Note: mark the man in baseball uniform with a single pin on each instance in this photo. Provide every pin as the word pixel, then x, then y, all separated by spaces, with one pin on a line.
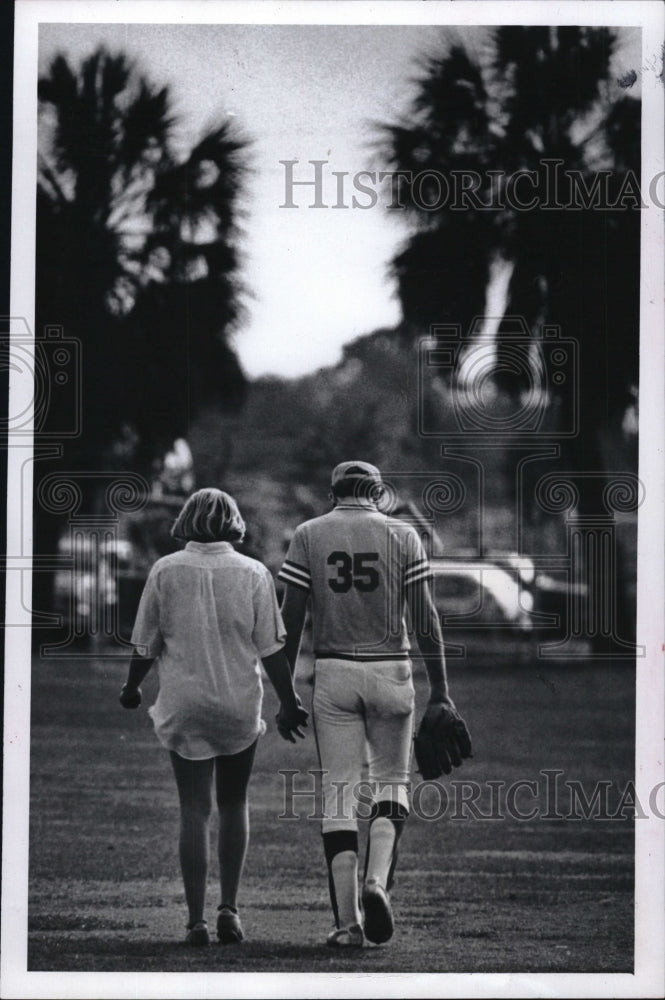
pixel 362 570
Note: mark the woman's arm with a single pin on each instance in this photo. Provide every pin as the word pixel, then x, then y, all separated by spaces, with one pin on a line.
pixel 130 695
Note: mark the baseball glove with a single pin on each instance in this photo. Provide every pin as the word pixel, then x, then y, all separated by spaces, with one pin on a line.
pixel 442 741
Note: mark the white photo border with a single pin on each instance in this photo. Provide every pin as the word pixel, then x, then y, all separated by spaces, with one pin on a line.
pixel 647 980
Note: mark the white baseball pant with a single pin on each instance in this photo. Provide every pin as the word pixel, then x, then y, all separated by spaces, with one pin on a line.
pixel 362 711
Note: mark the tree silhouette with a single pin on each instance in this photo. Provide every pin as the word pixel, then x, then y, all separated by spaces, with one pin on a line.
pixel 137 257
pixel 538 99
pixel 541 96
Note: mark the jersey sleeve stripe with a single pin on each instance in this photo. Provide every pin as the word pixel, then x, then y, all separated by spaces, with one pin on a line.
pixel 417 574
pixel 294 582
pixel 417 568
pixel 296 575
pixel 296 569
pixel 416 565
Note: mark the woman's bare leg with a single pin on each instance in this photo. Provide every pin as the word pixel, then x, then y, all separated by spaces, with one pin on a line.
pixel 194 780
pixel 232 781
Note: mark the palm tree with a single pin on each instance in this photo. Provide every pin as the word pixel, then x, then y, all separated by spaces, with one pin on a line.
pixel 137 257
pixel 536 96
pixel 539 95
pixel 132 239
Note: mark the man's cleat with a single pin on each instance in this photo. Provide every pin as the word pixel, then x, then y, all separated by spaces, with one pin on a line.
pixel 346 937
pixel 378 922
pixel 197 935
pixel 229 928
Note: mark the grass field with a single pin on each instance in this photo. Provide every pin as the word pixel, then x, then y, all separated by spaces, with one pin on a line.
pixel 472 895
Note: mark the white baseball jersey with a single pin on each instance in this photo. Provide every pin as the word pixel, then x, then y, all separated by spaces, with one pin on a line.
pixel 356 563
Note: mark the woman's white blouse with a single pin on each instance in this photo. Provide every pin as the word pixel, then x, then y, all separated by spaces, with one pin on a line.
pixel 209 614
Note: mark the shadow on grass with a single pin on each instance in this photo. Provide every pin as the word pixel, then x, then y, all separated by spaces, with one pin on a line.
pixel 90 953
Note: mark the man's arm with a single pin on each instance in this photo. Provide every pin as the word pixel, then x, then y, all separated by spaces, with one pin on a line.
pixel 442 739
pixel 294 609
pixel 291 715
pixel 430 640
pixel 279 675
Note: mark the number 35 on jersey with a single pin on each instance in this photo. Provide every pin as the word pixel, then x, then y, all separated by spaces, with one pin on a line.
pixel 355 571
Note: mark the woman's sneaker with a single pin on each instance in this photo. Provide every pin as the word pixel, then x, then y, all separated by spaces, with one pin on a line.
pixel 197 934
pixel 346 937
pixel 229 928
pixel 378 921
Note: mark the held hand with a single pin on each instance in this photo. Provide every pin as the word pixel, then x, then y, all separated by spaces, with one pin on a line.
pixel 289 722
pixel 130 699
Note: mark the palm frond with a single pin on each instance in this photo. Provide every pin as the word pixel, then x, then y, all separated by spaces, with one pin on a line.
pixel 137 247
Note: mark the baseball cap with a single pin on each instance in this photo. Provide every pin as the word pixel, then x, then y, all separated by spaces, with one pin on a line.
pixel 355 470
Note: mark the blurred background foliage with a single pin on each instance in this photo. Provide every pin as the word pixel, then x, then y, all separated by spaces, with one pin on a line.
pixel 139 256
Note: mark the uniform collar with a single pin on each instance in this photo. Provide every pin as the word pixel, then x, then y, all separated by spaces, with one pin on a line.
pixel 356 503
pixel 208 547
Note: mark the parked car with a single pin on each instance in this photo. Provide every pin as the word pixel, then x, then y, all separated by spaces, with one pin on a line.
pixel 475 593
pixel 495 590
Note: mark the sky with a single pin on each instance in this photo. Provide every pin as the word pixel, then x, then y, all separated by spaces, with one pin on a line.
pixel 317 276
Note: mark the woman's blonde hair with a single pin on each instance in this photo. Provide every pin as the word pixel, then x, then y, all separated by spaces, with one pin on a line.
pixel 209 515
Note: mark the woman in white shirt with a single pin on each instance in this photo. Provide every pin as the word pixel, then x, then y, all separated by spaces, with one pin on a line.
pixel 209 617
